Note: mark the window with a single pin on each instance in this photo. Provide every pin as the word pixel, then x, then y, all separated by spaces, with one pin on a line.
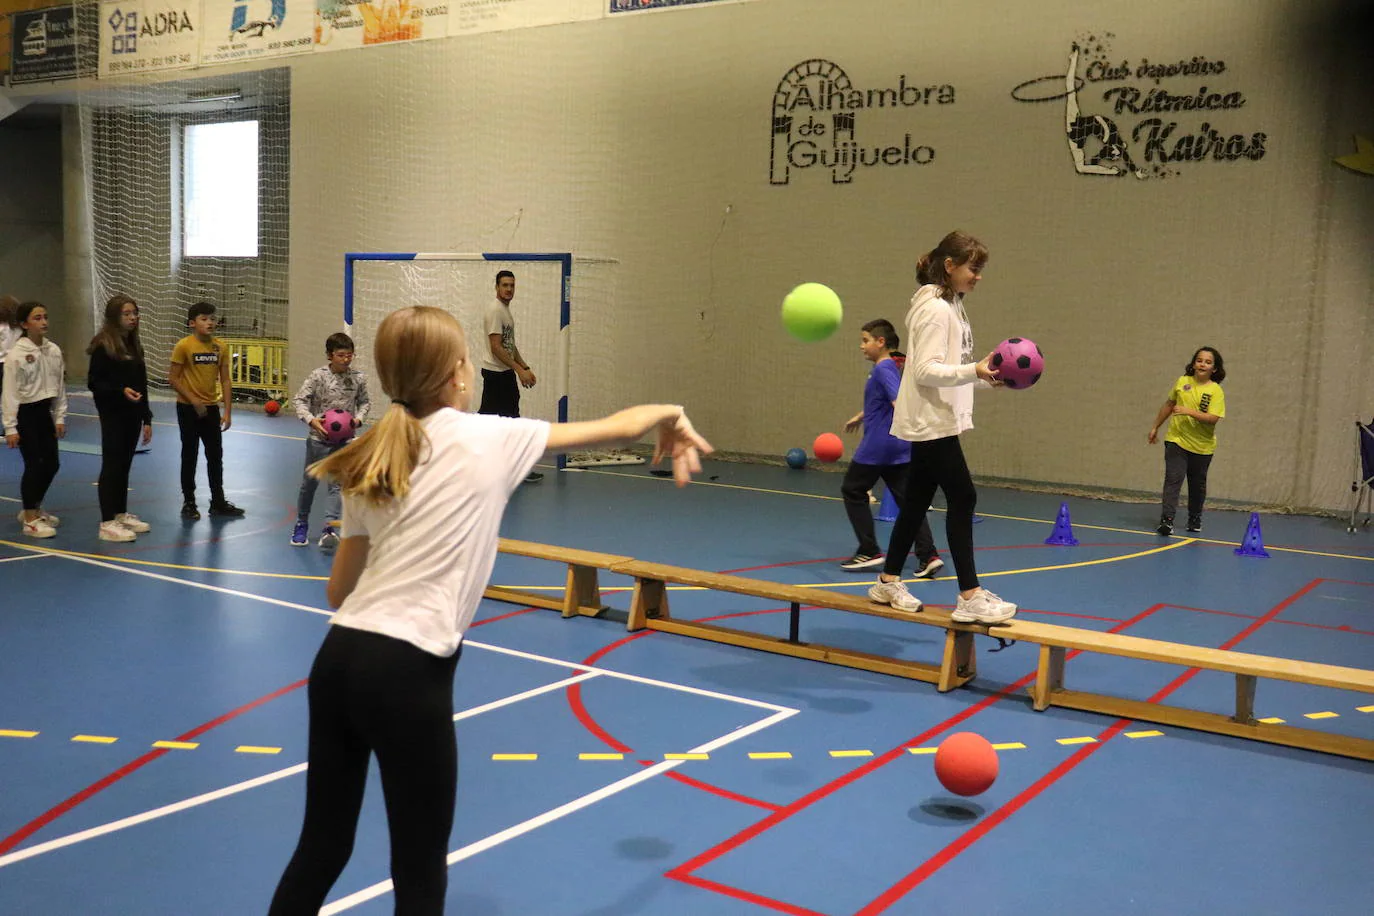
pixel 220 190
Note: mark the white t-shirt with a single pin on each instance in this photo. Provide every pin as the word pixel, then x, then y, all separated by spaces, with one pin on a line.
pixel 431 554
pixel 497 320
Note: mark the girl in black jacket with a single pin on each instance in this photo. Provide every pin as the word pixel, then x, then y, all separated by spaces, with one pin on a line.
pixel 118 379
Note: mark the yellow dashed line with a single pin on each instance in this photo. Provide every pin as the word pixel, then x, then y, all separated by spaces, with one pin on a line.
pixel 1009 746
pixel 1365 708
pixel 177 745
pixel 770 755
pixel 1146 734
pixel 686 756
pixel 1320 715
pixel 921 750
pixel 1272 720
pixel 1083 740
pixel 94 739
pixel 514 756
pixel 851 753
pixel 251 749
pixel 600 756
pixel 15 733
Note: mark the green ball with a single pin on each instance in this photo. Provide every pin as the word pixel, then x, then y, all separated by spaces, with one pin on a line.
pixel 812 312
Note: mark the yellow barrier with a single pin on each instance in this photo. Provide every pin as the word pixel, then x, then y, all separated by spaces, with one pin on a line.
pixel 257 364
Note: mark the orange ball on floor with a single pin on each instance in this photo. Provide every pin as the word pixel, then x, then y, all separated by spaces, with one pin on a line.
pixel 966 764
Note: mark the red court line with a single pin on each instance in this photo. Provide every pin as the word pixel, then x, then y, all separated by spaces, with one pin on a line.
pixel 506 616
pixel 683 871
pixel 723 793
pixel 985 826
pixel 100 785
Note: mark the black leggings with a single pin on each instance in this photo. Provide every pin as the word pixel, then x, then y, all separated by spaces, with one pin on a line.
pixel 937 463
pixel 38 447
pixel 374 694
pixel 119 432
pixel 194 431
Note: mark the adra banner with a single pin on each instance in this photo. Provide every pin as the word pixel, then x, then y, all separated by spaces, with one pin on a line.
pixel 137 36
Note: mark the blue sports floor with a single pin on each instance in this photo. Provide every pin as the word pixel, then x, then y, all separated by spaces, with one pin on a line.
pixel 153 721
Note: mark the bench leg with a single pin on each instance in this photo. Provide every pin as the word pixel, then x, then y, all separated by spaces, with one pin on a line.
pixel 959 665
pixel 1049 676
pixel 1245 699
pixel 650 599
pixel 581 591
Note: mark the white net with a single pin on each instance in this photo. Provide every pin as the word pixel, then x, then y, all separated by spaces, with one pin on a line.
pixel 134 142
pixel 464 286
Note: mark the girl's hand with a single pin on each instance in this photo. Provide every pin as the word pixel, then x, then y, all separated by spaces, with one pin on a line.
pixel 12 440
pixel 1154 434
pixel 854 423
pixel 132 395
pixel 147 433
pixel 987 373
pixel 62 430
pixel 678 440
pixel 318 426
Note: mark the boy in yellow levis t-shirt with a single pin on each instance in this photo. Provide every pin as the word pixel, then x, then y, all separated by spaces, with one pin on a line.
pixel 200 375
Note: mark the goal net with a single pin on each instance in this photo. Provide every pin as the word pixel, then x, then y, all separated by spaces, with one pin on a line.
pixel 561 308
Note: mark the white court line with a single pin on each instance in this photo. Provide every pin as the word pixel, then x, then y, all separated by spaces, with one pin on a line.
pixel 27 556
pixel 587 673
pixel 548 817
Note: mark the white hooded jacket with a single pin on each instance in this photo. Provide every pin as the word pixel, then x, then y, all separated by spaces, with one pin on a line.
pixel 935 399
pixel 33 373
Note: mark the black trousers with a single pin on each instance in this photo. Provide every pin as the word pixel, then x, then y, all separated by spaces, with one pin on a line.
pixel 197 431
pixel 372 694
pixel 858 480
pixel 38 448
pixel 500 393
pixel 938 463
pixel 1178 464
pixel 119 431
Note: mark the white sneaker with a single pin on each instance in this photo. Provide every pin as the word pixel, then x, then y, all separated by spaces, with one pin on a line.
pixel 983 607
pixel 114 531
pixel 895 594
pixel 37 528
pixel 52 521
pixel 133 523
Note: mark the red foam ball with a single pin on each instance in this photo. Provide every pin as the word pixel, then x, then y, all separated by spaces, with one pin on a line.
pixel 827 447
pixel 271 408
pixel 966 764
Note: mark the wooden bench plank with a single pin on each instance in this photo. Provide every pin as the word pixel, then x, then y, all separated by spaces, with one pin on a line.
pixel 581 589
pixel 560 554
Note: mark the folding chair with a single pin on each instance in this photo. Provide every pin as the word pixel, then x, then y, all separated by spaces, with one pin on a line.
pixel 1363 483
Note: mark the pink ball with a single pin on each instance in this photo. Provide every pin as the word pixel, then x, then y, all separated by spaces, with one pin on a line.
pixel 1018 362
pixel 338 425
pixel 827 447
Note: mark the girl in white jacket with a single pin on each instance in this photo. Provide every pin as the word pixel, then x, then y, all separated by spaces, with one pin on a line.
pixel 934 406
pixel 34 409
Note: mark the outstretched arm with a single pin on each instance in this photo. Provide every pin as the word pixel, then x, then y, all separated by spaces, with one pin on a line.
pixel 677 439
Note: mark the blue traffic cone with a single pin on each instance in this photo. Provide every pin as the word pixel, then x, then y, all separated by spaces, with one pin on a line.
pixel 1063 530
pixel 887 512
pixel 1253 545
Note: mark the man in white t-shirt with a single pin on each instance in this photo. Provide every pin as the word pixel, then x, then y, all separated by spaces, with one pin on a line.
pixel 502 364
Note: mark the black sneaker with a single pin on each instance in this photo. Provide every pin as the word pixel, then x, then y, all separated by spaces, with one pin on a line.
pixel 863 561
pixel 1166 526
pixel 189 511
pixel 222 508
pixel 533 477
pixel 1195 523
pixel 929 569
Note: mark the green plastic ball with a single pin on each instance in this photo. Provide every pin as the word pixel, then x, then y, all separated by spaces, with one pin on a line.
pixel 812 312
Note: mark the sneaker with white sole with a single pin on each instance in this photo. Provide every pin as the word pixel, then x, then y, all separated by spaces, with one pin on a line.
pixel 329 538
pixel 52 521
pixel 114 531
pixel 300 535
pixel 862 561
pixel 37 528
pixel 894 594
pixel 982 607
pixel 930 569
pixel 133 523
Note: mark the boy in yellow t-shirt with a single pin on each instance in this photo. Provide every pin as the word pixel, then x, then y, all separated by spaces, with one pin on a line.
pixel 1196 405
pixel 200 375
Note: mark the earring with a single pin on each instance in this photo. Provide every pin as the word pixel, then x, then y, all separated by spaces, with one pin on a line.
pixel 462 386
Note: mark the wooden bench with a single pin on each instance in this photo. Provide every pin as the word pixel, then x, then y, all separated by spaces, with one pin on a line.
pixel 649 608
pixel 581 589
pixel 1056 641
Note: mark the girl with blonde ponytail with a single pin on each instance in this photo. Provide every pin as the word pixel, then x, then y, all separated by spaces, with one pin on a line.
pixel 423 491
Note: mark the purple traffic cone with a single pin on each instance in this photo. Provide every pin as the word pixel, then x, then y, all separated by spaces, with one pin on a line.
pixel 1253 545
pixel 887 511
pixel 1063 530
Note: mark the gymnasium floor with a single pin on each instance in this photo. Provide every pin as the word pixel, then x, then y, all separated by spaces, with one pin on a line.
pixel 200 634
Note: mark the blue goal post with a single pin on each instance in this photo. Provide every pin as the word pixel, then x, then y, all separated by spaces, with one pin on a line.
pixel 563 259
